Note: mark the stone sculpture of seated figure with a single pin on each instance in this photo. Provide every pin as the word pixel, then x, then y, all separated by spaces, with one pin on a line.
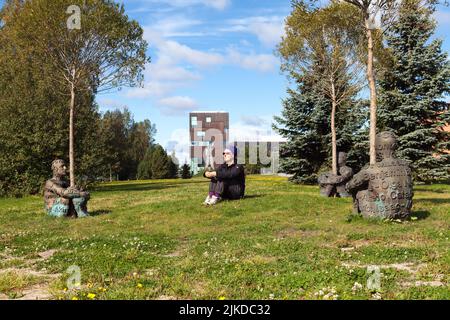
pixel 62 200
pixel 334 185
pixel 384 189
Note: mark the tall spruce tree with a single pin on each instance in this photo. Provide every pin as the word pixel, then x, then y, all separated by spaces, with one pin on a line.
pixel 305 122
pixel 412 91
pixel 173 166
pixel 185 171
pixel 157 164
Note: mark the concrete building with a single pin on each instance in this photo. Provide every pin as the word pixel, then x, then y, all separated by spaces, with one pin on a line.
pixel 209 134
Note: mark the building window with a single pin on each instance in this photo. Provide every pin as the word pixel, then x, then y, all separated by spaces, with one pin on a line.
pixel 200 133
pixel 194 121
pixel 208 119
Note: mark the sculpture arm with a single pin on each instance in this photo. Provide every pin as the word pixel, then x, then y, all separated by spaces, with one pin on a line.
pixel 359 180
pixel 346 174
pixel 323 178
pixel 68 193
pixel 328 178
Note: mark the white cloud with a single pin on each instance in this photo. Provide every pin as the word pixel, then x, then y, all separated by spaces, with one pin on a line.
pixel 163 77
pixel 258 62
pixel 268 33
pixel 174 52
pixel 152 89
pixel 165 70
pixel 177 105
pixel 268 30
pixel 180 52
pixel 176 26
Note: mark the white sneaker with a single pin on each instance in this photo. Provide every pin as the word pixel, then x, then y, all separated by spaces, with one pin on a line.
pixel 207 200
pixel 214 200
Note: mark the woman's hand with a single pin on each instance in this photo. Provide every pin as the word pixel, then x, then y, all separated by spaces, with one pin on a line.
pixel 211 174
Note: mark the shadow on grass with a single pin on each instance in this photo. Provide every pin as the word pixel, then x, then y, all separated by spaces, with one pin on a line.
pixel 139 186
pixel 420 215
pixel 433 200
pixel 422 189
pixel 99 212
pixel 134 187
pixel 251 196
pixel 433 188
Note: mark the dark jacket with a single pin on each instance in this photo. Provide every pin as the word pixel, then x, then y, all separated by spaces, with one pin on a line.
pixel 233 179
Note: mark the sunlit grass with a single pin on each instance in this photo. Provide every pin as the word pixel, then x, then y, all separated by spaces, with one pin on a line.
pixel 154 240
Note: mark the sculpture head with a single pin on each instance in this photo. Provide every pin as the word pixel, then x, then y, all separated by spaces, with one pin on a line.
pixel 386 144
pixel 59 168
pixel 342 159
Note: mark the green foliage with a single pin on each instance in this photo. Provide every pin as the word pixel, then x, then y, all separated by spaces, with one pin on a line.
pixel 125 143
pixel 412 91
pixel 322 48
pixel 157 165
pixel 34 100
pixel 305 122
pixel 34 126
pixel 173 166
pixel 185 171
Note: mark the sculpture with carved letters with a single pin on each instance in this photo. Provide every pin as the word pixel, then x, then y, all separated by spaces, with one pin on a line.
pixel 383 190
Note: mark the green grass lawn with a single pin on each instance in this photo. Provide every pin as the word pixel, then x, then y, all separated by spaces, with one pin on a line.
pixel 154 240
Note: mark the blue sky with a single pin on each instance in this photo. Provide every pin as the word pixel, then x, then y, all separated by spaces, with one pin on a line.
pixel 213 55
pixel 207 55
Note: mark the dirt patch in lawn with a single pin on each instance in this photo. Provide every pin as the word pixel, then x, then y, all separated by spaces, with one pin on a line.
pixel 22 281
pixel 412 268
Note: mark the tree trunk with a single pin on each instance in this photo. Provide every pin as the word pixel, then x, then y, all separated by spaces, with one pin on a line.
pixel 71 136
pixel 333 129
pixel 373 94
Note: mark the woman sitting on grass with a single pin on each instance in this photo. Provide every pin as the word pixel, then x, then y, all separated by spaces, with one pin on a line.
pixel 228 181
